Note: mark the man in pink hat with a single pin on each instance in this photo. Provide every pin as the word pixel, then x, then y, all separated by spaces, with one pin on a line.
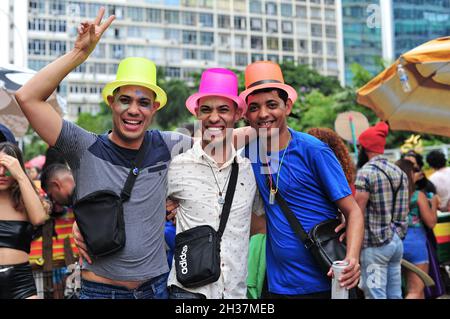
pixel 306 173
pixel 382 193
pixel 199 179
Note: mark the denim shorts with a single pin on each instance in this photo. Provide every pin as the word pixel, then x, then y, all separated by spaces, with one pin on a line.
pixel 155 288
pixel 415 246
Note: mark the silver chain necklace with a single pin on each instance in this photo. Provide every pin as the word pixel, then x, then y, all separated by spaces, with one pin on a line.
pixel 221 199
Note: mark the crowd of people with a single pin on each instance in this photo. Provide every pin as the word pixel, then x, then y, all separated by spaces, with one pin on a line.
pixel 175 182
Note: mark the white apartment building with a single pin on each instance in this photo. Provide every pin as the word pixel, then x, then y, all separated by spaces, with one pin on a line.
pixel 182 37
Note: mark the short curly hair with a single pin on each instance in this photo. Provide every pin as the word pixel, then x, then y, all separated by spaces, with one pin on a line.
pixel 330 137
pixel 436 159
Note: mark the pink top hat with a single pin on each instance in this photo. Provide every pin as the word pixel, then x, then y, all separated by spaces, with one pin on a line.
pixel 217 82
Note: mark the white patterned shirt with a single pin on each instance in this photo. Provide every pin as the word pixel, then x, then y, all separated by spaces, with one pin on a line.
pixel 191 182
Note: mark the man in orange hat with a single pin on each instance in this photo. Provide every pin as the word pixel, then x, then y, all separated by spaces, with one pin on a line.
pixel 105 162
pixel 306 173
pixel 382 194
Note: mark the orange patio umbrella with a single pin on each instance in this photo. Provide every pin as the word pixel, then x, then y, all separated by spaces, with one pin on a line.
pixel 426 107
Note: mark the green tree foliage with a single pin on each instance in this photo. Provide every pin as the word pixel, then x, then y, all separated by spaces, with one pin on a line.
pixel 175 112
pixel 33 145
pixel 99 123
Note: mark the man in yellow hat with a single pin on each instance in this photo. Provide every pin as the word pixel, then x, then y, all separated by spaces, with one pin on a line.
pixel 306 173
pixel 104 162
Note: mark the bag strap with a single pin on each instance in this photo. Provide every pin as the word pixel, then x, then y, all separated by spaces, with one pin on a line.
pixel 134 171
pixel 293 221
pixel 394 191
pixel 228 198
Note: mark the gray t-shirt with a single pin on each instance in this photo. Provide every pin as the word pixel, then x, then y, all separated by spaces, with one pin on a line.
pixel 99 164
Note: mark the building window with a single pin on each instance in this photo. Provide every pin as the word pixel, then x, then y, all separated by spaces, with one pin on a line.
pixel 153 15
pixel 331 48
pixel 255 6
pixel 118 51
pixel 330 15
pixel 223 21
pixel 286 26
pixel 316 47
pixel 206 38
pixel 257 57
pixel 36 47
pixel 303 45
pixel 189 37
pixel 272 26
pixel 36 24
pixel 286 10
pixel 172 72
pixel 36 64
pixel 330 31
pixel 240 23
pixel 207 55
pixel 57 26
pixel 224 58
pixel 316 14
pixel 99 51
pixel 272 43
pixel 189 18
pixel 317 63
pixel 173 55
pixel 189 54
pixel 37 6
pixel 271 8
pixel 57 7
pixel 240 41
pixel 288 58
pixel 255 24
pixel 256 43
pixel 241 59
pixel 206 20
pixel 288 45
pixel 273 58
pixel 316 30
pixel 135 14
pixel 172 17
pixel 301 12
pixel 224 39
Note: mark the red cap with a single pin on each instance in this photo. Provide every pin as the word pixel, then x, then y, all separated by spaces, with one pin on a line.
pixel 374 138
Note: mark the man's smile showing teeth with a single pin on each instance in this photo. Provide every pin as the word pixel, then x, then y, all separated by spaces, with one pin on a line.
pixel 266 123
pixel 131 122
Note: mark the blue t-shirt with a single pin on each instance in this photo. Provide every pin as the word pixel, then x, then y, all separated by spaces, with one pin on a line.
pixel 310 180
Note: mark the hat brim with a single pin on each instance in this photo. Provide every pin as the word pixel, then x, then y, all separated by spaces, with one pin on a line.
pixel 192 101
pixel 109 88
pixel 292 94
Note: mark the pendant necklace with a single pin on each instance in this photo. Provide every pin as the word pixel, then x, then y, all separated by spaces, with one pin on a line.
pixel 221 199
pixel 274 190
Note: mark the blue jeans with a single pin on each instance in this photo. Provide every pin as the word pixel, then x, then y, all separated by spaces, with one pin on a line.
pixel 381 270
pixel 155 288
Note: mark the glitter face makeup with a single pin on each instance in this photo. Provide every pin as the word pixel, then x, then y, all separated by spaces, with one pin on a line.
pixel 125 101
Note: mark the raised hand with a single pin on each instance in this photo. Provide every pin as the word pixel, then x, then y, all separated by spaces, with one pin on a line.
pixel 90 32
pixel 12 165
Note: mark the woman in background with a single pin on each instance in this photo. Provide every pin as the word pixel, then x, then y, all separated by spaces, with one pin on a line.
pixel 420 215
pixel 20 210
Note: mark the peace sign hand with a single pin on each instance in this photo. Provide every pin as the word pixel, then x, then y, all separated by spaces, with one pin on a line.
pixel 90 32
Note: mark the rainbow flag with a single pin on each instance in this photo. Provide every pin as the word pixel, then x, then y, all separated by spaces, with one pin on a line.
pixel 442 233
pixel 63 227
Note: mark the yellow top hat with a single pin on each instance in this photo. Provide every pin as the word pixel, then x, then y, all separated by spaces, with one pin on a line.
pixel 136 71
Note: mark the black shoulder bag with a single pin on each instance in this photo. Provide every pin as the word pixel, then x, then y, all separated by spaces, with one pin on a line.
pixel 322 241
pixel 99 215
pixel 197 250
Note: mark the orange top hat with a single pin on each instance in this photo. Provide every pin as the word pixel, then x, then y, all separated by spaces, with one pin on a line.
pixel 265 74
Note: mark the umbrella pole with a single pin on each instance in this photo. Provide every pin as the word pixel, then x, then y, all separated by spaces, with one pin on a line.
pixel 352 128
